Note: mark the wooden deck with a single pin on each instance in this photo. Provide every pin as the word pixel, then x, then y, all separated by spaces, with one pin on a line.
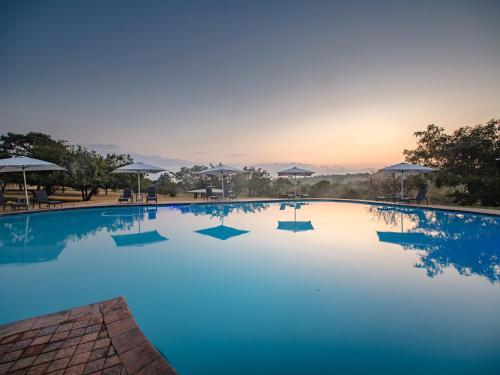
pixel 100 338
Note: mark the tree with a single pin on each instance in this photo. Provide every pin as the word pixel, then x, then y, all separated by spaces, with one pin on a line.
pixel 87 171
pixel 281 185
pixel 465 159
pixel 166 185
pixel 189 178
pixel 38 146
pixel 383 185
pixel 321 189
pixel 258 181
pixel 116 180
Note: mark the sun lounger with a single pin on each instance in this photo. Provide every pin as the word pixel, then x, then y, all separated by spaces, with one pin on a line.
pixel 20 204
pixel 394 198
pixel 421 196
pixel 126 196
pixel 152 195
pixel 42 198
pixel 3 201
pixel 209 193
pixel 229 194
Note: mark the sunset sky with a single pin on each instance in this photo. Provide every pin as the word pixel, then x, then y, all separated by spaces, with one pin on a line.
pixel 319 82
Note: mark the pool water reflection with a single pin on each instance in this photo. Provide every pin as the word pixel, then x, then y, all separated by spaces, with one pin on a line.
pixel 273 288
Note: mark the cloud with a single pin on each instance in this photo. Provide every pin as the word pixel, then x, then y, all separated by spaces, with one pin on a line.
pixel 237 155
pixel 175 164
pixel 103 148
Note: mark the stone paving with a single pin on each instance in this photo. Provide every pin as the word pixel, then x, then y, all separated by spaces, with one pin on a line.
pixel 101 338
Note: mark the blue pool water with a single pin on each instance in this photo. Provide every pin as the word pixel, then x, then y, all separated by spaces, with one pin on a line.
pixel 273 288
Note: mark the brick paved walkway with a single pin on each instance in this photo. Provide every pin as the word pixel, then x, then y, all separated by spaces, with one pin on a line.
pixel 101 338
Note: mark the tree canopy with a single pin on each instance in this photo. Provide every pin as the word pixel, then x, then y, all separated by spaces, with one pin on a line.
pixel 465 159
pixel 86 171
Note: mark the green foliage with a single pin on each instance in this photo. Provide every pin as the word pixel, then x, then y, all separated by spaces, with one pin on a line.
pixel 281 185
pixel 166 185
pixel 321 189
pixel 87 171
pixel 257 181
pixel 383 185
pixel 465 160
pixel 38 146
pixel 190 178
pixel 117 180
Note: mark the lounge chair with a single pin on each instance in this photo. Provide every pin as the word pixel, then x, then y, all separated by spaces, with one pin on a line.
pixel 228 193
pixel 20 204
pixel 126 196
pixel 3 201
pixel 152 195
pixel 421 196
pixel 209 194
pixel 42 198
pixel 283 195
pixel 395 198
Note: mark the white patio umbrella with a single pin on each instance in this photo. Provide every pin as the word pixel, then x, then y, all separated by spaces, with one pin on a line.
pixel 138 168
pixel 25 164
pixel 222 170
pixel 295 171
pixel 406 168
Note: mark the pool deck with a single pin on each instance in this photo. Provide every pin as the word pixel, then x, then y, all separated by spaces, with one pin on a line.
pixel 86 205
pixel 100 338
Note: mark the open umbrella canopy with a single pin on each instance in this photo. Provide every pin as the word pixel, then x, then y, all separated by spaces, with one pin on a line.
pixel 25 164
pixel 222 170
pixel 406 168
pixel 295 171
pixel 138 168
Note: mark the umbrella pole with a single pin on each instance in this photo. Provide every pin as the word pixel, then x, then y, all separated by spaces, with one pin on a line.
pixel 26 190
pixel 223 195
pixel 295 187
pixel 402 182
pixel 138 187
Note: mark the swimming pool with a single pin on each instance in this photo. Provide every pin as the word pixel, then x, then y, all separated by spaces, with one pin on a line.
pixel 273 288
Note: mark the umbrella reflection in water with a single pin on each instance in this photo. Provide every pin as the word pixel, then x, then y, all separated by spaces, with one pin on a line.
pixel 221 232
pixel 467 242
pixel 140 238
pixel 295 226
pixel 22 248
pixel 408 238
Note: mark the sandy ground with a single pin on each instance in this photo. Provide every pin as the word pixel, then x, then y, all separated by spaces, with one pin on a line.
pixel 72 198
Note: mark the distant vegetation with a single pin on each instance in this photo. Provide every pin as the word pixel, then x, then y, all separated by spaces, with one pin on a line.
pixel 468 172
